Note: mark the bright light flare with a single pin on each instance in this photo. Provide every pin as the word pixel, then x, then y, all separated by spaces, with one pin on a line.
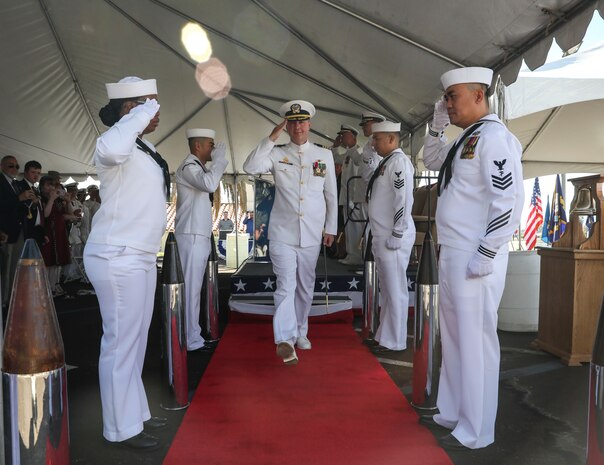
pixel 213 79
pixel 197 43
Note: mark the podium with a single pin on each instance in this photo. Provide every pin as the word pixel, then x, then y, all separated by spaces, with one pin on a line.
pixel 236 249
pixel 571 281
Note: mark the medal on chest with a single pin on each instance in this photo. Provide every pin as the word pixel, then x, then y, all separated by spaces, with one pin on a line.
pixel 319 168
pixel 469 147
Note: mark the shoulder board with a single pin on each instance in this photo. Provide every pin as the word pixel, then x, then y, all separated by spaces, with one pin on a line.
pixel 319 145
pixel 281 145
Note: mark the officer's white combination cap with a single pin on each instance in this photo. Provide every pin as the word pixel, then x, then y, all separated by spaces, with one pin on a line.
pixel 371 116
pixel 347 128
pixel 386 126
pixel 297 110
pixel 209 133
pixel 131 86
pixel 467 76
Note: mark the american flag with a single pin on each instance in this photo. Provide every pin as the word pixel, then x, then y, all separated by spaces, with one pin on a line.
pixel 535 218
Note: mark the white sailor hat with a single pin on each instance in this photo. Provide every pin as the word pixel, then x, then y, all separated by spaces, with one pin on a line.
pixel 131 86
pixel 371 116
pixel 297 110
pixel 209 133
pixel 467 76
pixel 386 126
pixel 347 128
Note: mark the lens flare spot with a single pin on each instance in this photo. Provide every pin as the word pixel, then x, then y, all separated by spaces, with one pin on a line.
pixel 213 79
pixel 197 43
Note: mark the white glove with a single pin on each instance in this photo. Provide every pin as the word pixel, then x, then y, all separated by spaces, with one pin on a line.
pixel 479 266
pixel 149 108
pixel 219 152
pixel 441 118
pixel 394 243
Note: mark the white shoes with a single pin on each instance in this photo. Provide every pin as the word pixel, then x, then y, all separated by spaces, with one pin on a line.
pixel 303 343
pixel 287 352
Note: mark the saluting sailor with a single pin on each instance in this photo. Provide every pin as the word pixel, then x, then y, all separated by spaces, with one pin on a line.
pixel 196 180
pixel 369 157
pixel 481 197
pixel 120 255
pixel 303 215
pixel 390 194
pixel 352 195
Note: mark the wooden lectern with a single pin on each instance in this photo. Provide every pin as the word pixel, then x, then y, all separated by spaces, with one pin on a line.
pixel 572 279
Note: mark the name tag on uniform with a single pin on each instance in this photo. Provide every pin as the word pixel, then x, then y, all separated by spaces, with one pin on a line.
pixel 319 168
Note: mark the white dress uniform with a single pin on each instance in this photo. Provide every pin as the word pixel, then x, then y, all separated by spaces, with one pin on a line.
pixel 390 205
pixel 120 260
pixel 305 205
pixel 477 213
pixel 353 192
pixel 193 229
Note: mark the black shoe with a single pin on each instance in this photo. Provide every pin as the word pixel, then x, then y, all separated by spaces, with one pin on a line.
pixel 155 423
pixel 204 349
pixel 380 349
pixel 370 342
pixel 428 420
pixel 450 442
pixel 142 441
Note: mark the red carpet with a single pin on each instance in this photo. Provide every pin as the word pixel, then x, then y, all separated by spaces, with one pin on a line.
pixel 337 406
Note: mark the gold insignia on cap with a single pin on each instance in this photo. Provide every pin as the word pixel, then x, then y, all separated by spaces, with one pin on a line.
pixel 295 108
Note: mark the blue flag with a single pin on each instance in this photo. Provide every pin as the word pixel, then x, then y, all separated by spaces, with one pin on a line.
pixel 557 219
pixel 544 234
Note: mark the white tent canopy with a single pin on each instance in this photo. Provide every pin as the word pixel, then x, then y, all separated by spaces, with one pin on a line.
pixel 345 56
pixel 557 113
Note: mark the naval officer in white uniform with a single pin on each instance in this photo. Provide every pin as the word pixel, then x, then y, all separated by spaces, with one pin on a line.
pixel 352 195
pixel 304 215
pixel 120 255
pixel 369 157
pixel 481 197
pixel 390 194
pixel 196 179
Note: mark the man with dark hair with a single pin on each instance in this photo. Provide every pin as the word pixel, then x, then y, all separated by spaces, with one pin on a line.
pixel 33 220
pixel 196 179
pixel 481 196
pixel 12 209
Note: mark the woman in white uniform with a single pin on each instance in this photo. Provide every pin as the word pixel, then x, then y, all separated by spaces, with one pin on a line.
pixel 120 255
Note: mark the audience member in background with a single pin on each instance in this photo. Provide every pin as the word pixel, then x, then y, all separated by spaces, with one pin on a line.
pixel 57 212
pixel 225 225
pixel 248 227
pixel 85 223
pixel 12 207
pixel 72 272
pixel 94 201
pixel 33 219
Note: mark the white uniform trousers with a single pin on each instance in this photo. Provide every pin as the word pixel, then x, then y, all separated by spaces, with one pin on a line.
pixel 394 295
pixel 354 230
pixel 294 268
pixel 194 250
pixel 469 376
pixel 124 280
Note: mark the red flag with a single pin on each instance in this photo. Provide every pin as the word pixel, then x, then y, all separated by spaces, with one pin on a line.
pixel 535 218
